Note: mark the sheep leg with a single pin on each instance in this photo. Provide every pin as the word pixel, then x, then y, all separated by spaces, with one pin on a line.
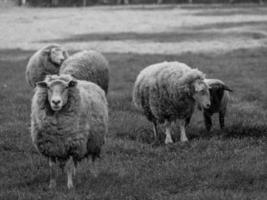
pixel 74 171
pixel 62 166
pixel 208 121
pixel 183 136
pixel 221 119
pixel 168 138
pixel 187 121
pixel 70 171
pixel 94 169
pixel 52 172
pixel 155 131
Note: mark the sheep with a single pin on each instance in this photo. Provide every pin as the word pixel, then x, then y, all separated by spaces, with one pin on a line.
pixel 169 91
pixel 45 61
pixel 88 65
pixel 219 98
pixel 69 121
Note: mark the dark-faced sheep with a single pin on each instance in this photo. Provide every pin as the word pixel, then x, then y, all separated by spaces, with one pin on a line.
pixel 44 62
pixel 219 98
pixel 169 91
pixel 69 121
pixel 88 65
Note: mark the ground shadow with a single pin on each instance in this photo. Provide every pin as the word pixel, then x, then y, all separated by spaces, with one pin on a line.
pixel 225 6
pixel 191 34
pixel 238 130
pixel 147 7
pixel 234 11
pixel 13 54
pixel 228 25
pixel 145 134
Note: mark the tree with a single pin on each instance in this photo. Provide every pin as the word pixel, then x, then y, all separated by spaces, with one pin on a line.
pixel 20 2
pixel 122 1
pixel 84 3
pixel 54 2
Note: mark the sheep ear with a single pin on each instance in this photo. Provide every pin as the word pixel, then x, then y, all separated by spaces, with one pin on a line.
pixel 198 87
pixel 47 51
pixel 199 107
pixel 41 84
pixel 66 54
pixel 188 90
pixel 72 83
pixel 225 87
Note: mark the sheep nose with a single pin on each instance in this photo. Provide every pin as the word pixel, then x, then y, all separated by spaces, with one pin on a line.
pixel 56 102
pixel 208 105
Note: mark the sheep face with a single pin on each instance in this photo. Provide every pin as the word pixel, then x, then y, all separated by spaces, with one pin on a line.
pixel 58 55
pixel 201 93
pixel 57 92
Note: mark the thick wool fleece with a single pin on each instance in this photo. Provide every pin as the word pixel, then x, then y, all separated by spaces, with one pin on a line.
pixel 164 91
pixel 88 65
pixel 40 65
pixel 78 130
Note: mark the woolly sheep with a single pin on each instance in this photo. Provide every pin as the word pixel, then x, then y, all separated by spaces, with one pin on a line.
pixel 88 65
pixel 45 61
pixel 69 121
pixel 168 91
pixel 219 98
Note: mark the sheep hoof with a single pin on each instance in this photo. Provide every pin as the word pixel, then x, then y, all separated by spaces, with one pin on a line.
pixel 70 185
pixel 52 184
pixel 184 139
pixel 168 140
pixel 156 143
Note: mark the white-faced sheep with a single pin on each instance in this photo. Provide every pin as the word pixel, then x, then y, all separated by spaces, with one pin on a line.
pixel 219 98
pixel 169 91
pixel 88 65
pixel 45 61
pixel 69 121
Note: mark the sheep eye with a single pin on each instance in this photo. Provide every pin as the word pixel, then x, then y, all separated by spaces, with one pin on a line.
pixel 202 92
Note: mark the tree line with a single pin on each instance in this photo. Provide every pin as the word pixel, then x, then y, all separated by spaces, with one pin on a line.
pixel 84 3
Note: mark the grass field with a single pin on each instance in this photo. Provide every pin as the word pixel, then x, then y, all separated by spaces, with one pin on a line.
pixel 225 42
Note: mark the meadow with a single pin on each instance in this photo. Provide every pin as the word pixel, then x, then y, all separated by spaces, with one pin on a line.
pixel 225 42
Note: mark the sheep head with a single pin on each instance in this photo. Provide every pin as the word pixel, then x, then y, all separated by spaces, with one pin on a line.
pixel 201 93
pixel 57 90
pixel 216 84
pixel 57 55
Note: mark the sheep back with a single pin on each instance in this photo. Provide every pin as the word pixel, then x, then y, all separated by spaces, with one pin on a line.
pixel 40 65
pixel 164 91
pixel 88 65
pixel 78 130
